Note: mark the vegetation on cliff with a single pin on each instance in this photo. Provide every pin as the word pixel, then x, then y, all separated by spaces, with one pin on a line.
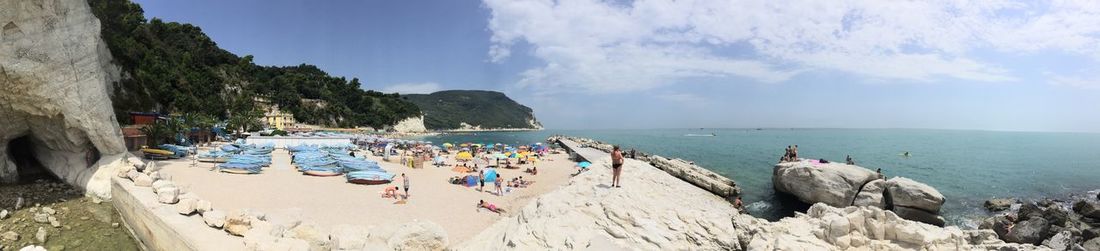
pixel 171 67
pixel 447 110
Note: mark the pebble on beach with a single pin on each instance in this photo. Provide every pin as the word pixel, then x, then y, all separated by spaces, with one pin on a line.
pixel 42 235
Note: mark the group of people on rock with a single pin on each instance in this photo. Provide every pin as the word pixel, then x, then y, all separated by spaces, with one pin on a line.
pixel 790 155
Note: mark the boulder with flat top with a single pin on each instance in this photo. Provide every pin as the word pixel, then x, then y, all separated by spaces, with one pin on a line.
pixel 834 184
pixel 904 192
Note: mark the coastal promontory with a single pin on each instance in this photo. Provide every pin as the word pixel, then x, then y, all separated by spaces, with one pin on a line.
pixel 473 110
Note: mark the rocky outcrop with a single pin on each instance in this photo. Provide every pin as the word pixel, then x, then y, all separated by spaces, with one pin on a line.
pixel 703 178
pixel 842 185
pixel 56 74
pixel 999 204
pixel 411 125
pixel 823 227
pixel 650 214
pixel 654 211
pixel 834 184
pixel 1048 222
pixel 904 192
pixel 679 168
pixel 871 195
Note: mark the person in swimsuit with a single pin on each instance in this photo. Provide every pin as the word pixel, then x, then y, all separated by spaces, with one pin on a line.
pixel 500 187
pixel 492 208
pixel 405 179
pixel 616 166
pixel 481 177
pixel 390 192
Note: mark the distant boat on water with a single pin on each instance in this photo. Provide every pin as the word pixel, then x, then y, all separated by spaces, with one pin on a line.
pixel 699 135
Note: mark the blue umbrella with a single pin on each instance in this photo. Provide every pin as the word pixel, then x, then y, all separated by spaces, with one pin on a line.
pixel 584 164
pixel 490 175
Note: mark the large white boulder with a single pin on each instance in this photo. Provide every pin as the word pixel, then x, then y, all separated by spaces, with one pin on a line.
pixel 349 237
pixel 419 235
pixel 834 184
pixel 871 194
pixel 904 192
pixel 237 222
pixel 56 76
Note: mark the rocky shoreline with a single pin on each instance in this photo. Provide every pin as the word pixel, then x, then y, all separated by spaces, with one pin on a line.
pixel 1059 223
pixel 655 210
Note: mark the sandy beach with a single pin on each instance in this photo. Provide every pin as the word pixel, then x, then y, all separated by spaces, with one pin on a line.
pixel 331 201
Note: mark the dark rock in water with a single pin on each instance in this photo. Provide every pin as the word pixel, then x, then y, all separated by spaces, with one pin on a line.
pixel 999 224
pixel 919 215
pixel 1033 231
pixel 999 204
pixel 1056 215
pixel 1090 233
pixel 1087 209
pixel 1027 211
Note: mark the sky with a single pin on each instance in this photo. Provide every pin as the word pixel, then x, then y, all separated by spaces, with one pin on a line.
pixel 587 64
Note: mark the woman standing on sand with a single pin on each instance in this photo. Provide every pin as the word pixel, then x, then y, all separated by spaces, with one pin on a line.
pixel 500 190
pixel 616 166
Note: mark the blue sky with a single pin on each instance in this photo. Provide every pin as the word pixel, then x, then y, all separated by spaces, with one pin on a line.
pixel 989 65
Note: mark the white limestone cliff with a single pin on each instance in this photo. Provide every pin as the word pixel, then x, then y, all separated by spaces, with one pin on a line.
pixel 55 76
pixel 411 125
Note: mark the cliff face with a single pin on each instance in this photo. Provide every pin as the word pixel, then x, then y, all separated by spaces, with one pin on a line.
pixel 473 110
pixel 55 72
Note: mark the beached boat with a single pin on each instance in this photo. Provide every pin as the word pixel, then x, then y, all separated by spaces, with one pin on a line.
pixel 372 177
pixel 323 173
pixel 153 153
pixel 239 168
pixel 213 159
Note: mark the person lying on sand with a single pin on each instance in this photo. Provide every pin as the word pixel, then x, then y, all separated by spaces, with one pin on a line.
pixel 486 205
pixel 533 170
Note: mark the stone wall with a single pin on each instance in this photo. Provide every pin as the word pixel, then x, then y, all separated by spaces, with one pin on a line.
pixel 55 74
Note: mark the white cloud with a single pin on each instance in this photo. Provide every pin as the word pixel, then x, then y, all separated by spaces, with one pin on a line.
pixel 685 99
pixel 1086 83
pixel 412 88
pixel 613 46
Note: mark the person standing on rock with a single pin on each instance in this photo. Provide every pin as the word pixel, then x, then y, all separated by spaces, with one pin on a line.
pixel 616 165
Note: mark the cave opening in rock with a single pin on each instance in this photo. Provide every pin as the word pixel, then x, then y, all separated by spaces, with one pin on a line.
pixel 28 166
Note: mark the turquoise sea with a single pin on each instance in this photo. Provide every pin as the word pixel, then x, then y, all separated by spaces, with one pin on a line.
pixel 968 167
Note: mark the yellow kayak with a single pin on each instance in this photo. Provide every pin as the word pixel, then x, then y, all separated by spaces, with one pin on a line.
pixel 157 151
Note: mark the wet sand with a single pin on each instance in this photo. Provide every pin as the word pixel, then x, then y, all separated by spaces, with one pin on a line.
pixel 331 201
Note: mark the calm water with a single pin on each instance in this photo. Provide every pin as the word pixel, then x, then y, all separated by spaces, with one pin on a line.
pixel 968 167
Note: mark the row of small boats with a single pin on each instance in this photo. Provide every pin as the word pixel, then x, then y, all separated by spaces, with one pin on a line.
pixel 167 151
pixel 240 158
pixel 336 160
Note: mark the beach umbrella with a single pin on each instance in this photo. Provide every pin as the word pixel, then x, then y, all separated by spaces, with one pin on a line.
pixel 490 175
pixel 499 156
pixel 584 164
pixel 448 145
pixel 464 156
